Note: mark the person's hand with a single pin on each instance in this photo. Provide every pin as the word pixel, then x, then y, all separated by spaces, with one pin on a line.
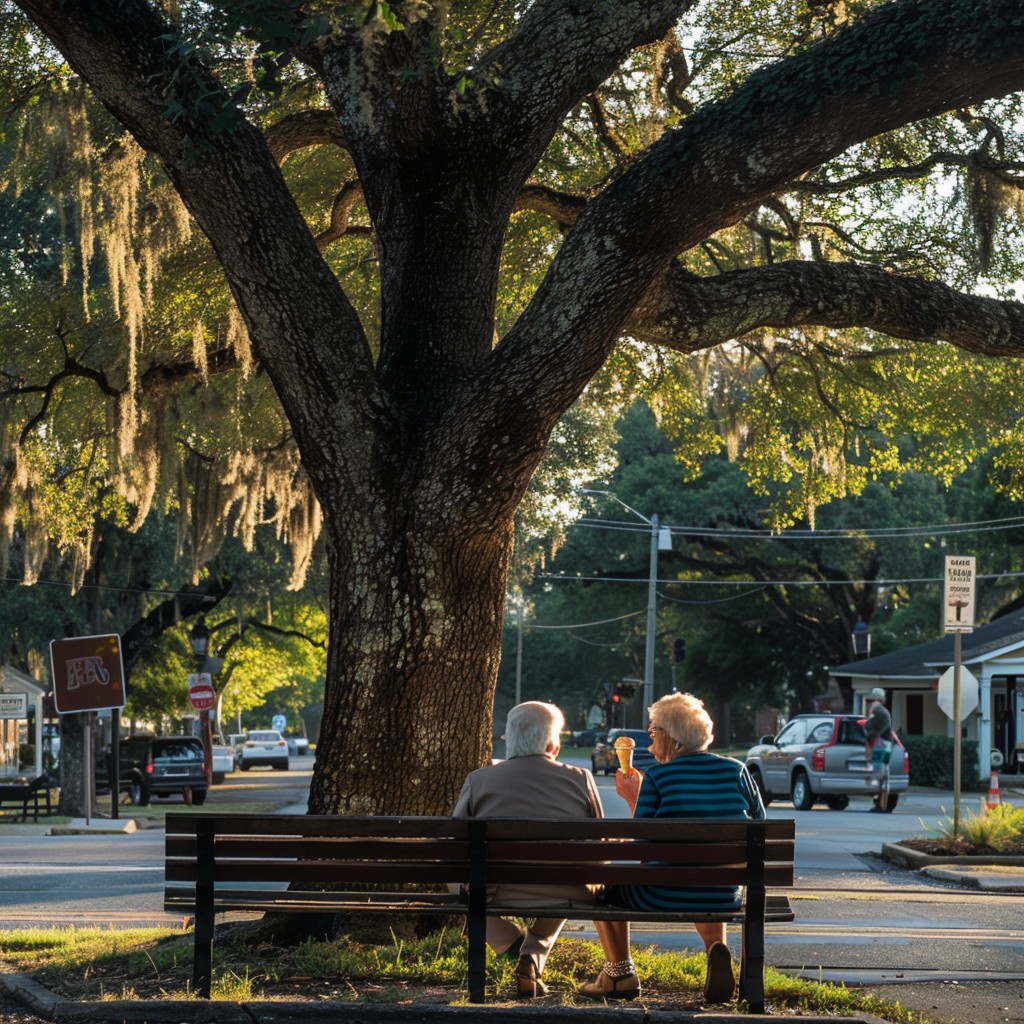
pixel 628 786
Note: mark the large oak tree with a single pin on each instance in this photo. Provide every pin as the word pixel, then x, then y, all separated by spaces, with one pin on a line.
pixel 421 436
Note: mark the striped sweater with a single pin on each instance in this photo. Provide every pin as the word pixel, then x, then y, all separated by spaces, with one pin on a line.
pixel 692 786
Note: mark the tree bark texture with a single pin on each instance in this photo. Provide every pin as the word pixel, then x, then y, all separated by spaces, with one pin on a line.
pixel 421 453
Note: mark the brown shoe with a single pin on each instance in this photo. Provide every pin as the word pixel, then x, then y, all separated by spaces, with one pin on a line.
pixel 719 984
pixel 604 986
pixel 528 983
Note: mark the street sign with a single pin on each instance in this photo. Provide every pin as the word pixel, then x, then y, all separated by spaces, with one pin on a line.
pixel 14 705
pixel 968 693
pixel 201 692
pixel 278 723
pixel 958 594
pixel 88 674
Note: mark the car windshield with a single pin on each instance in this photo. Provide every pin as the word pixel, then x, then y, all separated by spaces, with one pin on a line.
pixel 178 751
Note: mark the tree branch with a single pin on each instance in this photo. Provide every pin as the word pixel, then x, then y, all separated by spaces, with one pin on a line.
pixel 728 158
pixel 690 313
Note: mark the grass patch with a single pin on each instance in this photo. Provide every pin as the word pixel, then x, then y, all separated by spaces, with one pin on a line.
pixel 156 963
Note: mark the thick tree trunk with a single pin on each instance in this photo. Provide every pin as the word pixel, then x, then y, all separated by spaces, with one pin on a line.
pixel 415 642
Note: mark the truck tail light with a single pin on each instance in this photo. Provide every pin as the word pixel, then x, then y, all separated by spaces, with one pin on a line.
pixel 818 759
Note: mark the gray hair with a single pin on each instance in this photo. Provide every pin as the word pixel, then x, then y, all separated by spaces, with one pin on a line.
pixel 683 717
pixel 531 727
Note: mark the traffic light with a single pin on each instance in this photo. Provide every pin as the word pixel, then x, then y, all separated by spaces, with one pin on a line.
pixel 678 653
pixel 625 688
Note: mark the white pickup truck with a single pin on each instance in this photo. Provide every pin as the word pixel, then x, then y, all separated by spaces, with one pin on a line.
pixel 223 760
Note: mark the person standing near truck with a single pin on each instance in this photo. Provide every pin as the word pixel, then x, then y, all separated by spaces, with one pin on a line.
pixel 878 746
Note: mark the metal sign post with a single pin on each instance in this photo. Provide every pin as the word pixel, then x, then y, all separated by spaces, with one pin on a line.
pixel 88 676
pixel 957 618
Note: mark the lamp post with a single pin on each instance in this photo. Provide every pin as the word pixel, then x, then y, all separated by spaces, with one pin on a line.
pixel 200 648
pixel 661 540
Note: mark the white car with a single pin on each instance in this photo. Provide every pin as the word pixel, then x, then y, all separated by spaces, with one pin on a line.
pixel 264 747
pixel 297 745
pixel 223 759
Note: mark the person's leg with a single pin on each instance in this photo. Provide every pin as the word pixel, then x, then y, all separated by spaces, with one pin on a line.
pixel 502 934
pixel 539 939
pixel 533 953
pixel 618 978
pixel 711 932
pixel 883 791
pixel 719 983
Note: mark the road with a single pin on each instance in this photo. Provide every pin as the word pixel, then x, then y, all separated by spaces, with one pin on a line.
pixel 858 917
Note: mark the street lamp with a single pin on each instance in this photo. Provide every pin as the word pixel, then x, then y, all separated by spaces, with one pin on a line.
pixel 200 642
pixel 661 540
pixel 861 639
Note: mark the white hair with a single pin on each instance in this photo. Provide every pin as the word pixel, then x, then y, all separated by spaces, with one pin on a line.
pixel 531 728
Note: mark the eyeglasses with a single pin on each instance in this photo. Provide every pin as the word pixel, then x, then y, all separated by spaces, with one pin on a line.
pixel 655 728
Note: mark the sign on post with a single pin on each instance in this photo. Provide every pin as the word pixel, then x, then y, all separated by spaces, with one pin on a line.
pixel 14 705
pixel 958 594
pixel 201 692
pixel 88 674
pixel 968 692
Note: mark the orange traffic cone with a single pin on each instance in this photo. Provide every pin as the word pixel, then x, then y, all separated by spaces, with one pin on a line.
pixel 993 791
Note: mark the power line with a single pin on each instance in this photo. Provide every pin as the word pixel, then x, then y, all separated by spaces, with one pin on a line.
pixel 761 584
pixel 945 530
pixel 91 586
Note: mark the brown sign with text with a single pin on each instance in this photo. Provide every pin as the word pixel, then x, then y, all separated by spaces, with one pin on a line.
pixel 87 673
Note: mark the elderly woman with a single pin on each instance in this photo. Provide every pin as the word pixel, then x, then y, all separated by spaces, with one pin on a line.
pixel 687 782
pixel 531 782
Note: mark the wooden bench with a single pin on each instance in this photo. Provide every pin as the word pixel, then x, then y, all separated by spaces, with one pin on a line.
pixel 21 794
pixel 307 863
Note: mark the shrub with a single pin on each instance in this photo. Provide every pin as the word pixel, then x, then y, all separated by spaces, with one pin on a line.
pixel 931 762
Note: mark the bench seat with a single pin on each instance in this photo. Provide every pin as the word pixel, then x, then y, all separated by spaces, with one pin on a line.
pixel 310 863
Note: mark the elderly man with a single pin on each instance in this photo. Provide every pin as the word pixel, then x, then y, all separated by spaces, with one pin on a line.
pixel 878 746
pixel 531 782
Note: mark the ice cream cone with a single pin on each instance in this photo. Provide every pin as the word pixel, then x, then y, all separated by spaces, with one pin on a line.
pixel 624 749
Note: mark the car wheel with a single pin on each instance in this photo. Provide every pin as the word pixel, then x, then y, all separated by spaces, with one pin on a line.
pixel 766 797
pixel 891 803
pixel 282 767
pixel 198 797
pixel 802 796
pixel 245 767
pixel 838 803
pixel 138 794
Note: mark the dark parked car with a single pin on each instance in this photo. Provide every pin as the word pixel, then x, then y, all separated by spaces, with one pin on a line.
pixel 604 760
pixel 821 758
pixel 159 766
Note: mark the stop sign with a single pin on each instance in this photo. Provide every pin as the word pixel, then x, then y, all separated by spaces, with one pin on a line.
pixel 968 693
pixel 201 692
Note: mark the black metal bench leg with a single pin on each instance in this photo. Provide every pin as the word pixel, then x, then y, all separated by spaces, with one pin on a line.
pixel 752 965
pixel 477 919
pixel 202 942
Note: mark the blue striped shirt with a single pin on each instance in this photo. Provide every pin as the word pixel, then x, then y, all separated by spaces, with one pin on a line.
pixel 693 786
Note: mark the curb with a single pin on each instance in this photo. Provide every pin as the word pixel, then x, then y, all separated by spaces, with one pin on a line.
pixel 910 858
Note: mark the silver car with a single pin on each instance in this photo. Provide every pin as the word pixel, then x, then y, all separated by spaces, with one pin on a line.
pixel 822 758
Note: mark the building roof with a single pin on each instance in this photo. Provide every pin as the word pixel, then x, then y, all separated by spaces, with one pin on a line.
pixel 925 661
